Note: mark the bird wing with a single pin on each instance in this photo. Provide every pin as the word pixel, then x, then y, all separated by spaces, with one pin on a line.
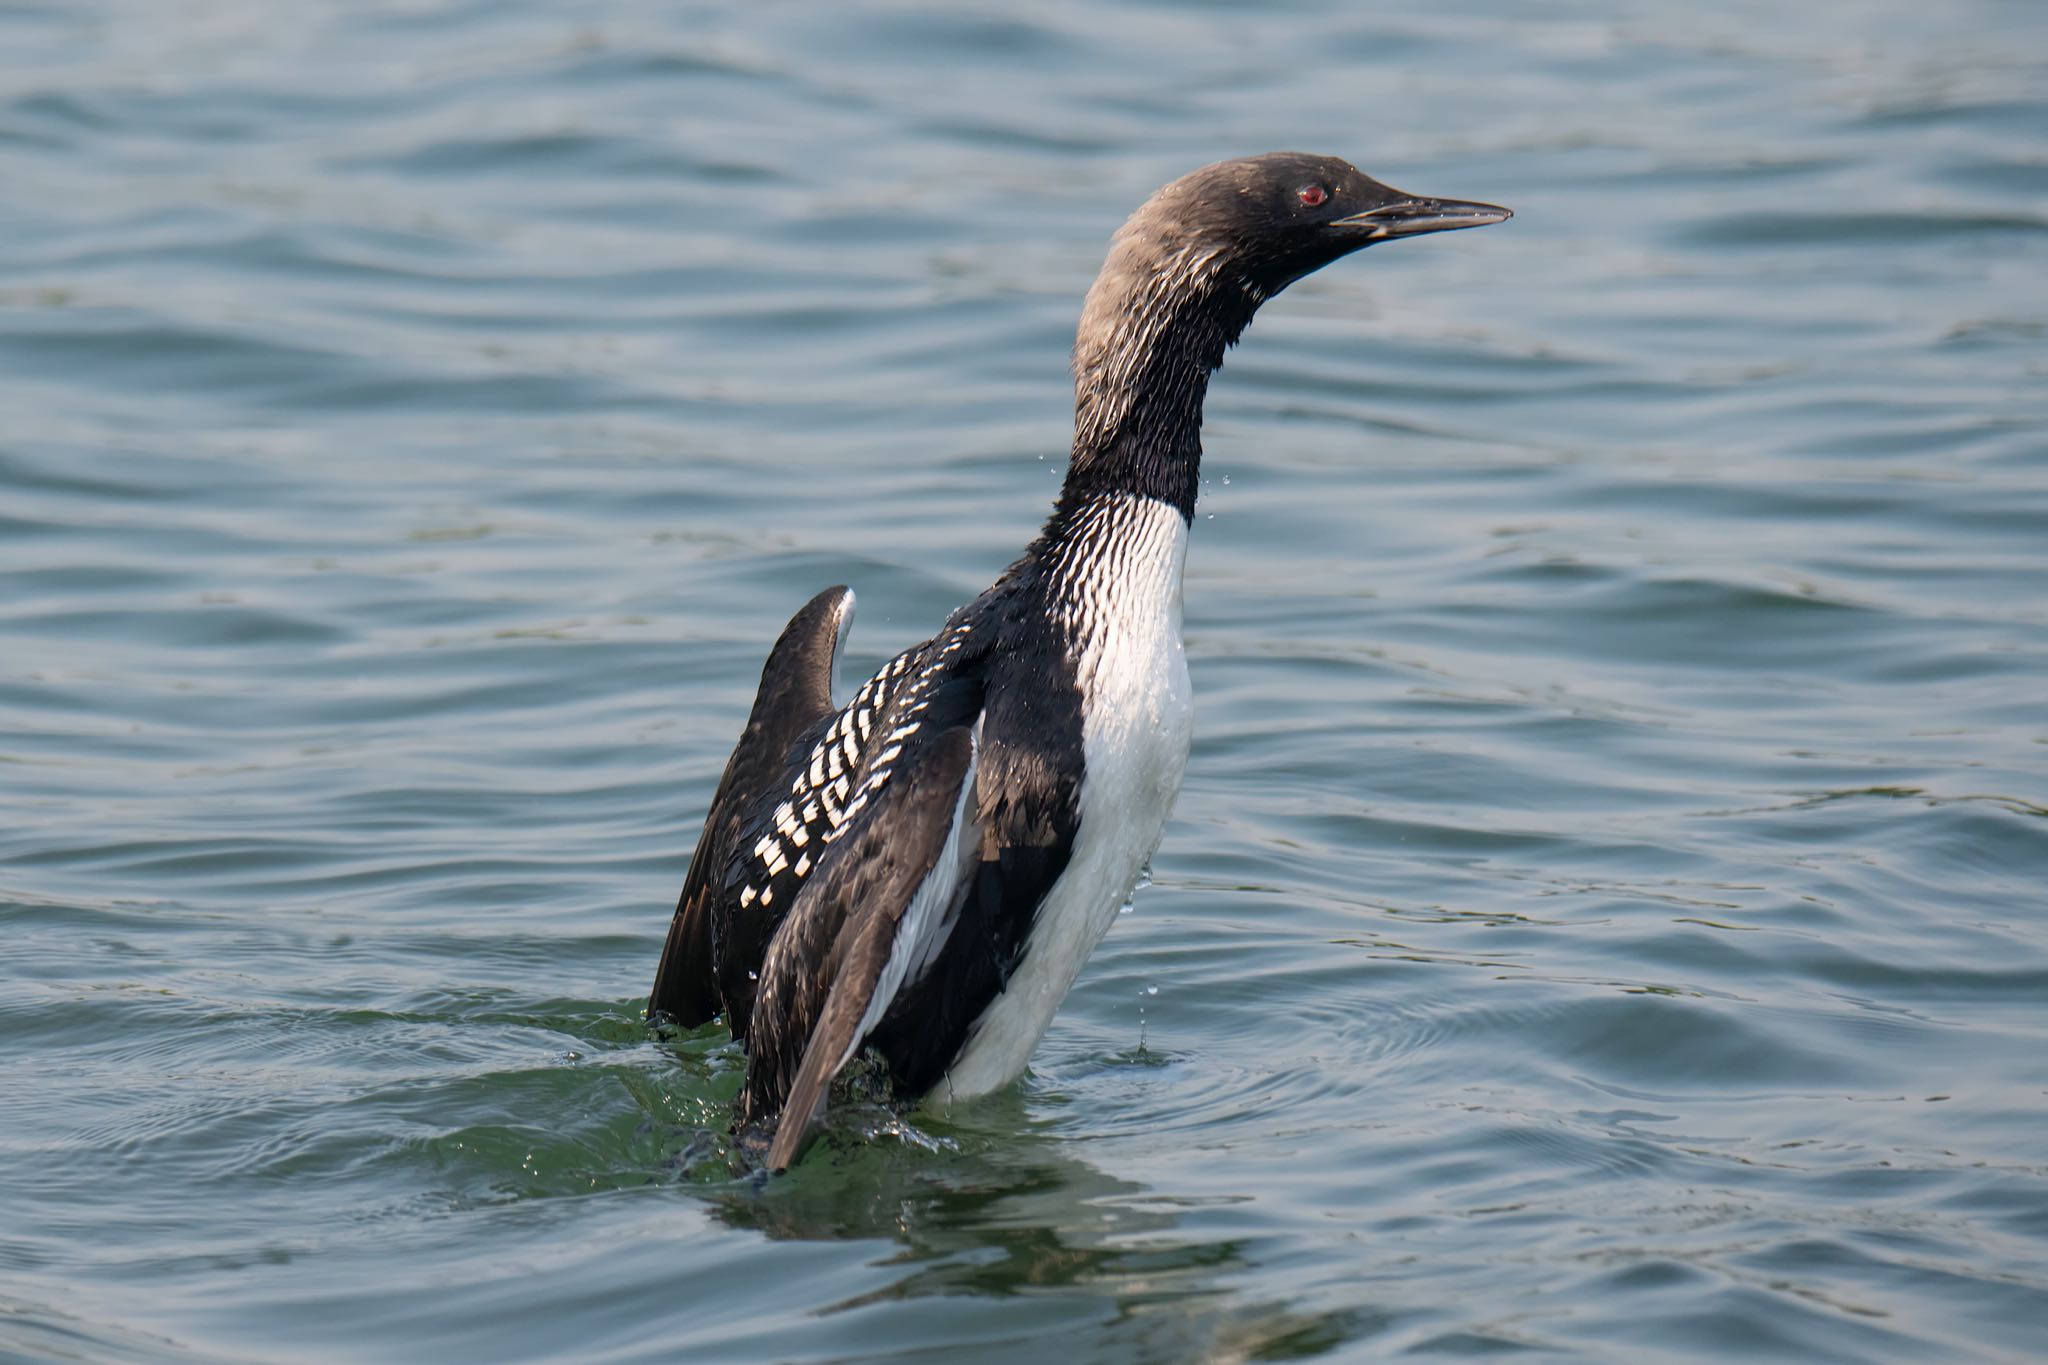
pixel 1028 763
pixel 794 696
pixel 861 919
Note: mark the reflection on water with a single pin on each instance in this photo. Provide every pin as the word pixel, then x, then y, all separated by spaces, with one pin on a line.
pixel 1003 1210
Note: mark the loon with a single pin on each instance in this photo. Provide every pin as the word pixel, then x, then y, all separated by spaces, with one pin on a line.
pixel 923 870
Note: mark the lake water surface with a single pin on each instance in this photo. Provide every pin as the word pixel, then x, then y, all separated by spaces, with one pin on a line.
pixel 1607 915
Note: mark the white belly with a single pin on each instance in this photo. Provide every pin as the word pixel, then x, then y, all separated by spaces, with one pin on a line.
pixel 1137 718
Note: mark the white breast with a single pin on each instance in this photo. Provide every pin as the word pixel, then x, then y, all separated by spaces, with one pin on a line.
pixel 1137 717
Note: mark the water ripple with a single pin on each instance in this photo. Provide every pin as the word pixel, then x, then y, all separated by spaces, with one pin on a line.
pixel 1602 915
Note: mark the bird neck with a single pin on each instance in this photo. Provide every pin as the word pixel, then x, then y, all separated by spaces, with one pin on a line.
pixel 1155 326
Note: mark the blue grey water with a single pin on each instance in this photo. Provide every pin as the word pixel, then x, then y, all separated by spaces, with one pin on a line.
pixel 1605 917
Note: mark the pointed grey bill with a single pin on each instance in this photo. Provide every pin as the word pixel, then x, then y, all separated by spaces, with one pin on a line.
pixel 1411 216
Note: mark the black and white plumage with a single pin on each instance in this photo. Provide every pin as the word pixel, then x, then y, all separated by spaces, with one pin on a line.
pixel 924 870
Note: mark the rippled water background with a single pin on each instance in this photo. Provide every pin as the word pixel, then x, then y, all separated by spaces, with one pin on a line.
pixel 1605 915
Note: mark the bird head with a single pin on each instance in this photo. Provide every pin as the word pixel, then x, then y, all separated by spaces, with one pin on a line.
pixel 1278 217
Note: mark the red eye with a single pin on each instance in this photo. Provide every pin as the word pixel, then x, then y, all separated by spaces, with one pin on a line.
pixel 1313 195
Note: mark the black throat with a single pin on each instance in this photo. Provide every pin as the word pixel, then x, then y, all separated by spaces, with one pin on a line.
pixel 1155 327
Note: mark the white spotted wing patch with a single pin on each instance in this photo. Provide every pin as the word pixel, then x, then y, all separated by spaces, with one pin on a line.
pixel 847 768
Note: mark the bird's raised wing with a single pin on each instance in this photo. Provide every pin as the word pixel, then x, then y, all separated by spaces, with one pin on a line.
pixel 794 696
